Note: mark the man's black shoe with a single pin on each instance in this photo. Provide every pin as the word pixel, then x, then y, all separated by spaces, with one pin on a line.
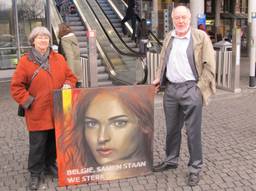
pixel 163 166
pixel 123 28
pixel 193 179
pixel 52 170
pixel 34 182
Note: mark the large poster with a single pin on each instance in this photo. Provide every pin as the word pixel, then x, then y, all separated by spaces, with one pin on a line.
pixel 103 133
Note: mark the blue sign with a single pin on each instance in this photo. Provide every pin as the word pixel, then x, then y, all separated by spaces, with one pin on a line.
pixel 201 21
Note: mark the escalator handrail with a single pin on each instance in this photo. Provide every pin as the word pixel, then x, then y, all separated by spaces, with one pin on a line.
pixel 155 38
pixel 110 40
pixel 114 77
pixel 119 13
pixel 145 69
pixel 130 49
pixel 140 55
pixel 58 19
pixel 150 32
pixel 104 57
pixel 144 65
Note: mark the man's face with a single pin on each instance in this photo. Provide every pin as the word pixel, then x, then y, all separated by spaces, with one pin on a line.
pixel 181 19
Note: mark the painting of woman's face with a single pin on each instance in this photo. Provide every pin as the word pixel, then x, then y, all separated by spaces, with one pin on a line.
pixel 111 129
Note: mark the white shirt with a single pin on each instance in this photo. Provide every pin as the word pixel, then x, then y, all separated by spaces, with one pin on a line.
pixel 178 67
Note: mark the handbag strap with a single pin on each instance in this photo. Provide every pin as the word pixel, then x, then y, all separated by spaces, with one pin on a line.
pixel 34 75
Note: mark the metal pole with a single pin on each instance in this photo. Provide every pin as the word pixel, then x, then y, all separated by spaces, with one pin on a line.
pixel 92 58
pixel 17 33
pixel 196 8
pixel 236 50
pixel 252 81
pixel 217 16
pixel 48 16
pixel 154 17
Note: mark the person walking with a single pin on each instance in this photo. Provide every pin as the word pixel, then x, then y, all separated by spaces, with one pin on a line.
pixel 43 70
pixel 130 15
pixel 187 70
pixel 69 48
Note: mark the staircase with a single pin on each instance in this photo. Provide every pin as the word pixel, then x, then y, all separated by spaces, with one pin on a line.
pixel 79 30
pixel 116 22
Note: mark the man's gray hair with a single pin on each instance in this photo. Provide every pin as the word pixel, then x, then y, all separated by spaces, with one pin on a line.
pixel 179 6
pixel 38 31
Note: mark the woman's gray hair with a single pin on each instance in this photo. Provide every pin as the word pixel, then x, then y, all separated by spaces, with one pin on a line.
pixel 38 31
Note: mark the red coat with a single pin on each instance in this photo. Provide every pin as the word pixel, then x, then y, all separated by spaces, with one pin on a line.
pixel 39 116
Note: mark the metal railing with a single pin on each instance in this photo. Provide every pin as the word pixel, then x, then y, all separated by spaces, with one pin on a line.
pixel 153 61
pixel 225 75
pixel 55 19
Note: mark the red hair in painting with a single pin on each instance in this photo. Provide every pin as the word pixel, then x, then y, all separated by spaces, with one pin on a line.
pixel 138 101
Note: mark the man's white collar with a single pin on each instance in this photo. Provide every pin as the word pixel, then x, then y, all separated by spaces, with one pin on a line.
pixel 186 36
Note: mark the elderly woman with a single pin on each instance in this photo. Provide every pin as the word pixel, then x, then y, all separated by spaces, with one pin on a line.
pixel 50 71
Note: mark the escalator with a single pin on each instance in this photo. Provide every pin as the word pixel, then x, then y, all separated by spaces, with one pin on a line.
pixel 119 8
pixel 116 22
pixel 79 30
pixel 125 65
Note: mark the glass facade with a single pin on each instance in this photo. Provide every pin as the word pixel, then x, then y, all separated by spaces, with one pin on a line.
pixel 8 40
pixel 17 18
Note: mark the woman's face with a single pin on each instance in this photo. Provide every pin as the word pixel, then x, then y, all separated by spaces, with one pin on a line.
pixel 41 43
pixel 111 130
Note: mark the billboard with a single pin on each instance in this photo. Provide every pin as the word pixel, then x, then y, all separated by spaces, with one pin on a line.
pixel 103 133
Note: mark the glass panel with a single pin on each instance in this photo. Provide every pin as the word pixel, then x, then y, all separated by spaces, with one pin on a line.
pixel 31 13
pixel 8 57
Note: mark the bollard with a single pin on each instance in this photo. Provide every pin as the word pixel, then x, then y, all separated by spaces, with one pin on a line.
pixel 252 81
pixel 236 50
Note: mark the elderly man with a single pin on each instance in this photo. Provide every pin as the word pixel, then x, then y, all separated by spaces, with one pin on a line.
pixel 187 71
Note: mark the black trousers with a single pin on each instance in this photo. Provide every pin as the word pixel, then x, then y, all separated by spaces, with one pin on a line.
pixel 130 15
pixel 42 151
pixel 183 106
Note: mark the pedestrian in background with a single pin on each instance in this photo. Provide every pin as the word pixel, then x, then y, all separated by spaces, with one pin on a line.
pixel 142 31
pixel 51 72
pixel 69 48
pixel 187 70
pixel 130 15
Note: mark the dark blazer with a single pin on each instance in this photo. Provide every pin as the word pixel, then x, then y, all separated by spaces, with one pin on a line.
pixel 130 10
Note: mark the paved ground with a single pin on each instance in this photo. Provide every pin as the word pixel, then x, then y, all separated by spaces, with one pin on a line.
pixel 229 146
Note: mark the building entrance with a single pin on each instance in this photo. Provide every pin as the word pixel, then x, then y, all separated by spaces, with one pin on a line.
pixel 17 18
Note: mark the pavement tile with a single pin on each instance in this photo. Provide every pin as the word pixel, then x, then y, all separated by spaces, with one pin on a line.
pixel 228 145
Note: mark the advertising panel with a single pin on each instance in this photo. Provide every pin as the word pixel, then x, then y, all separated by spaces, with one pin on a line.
pixel 103 133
